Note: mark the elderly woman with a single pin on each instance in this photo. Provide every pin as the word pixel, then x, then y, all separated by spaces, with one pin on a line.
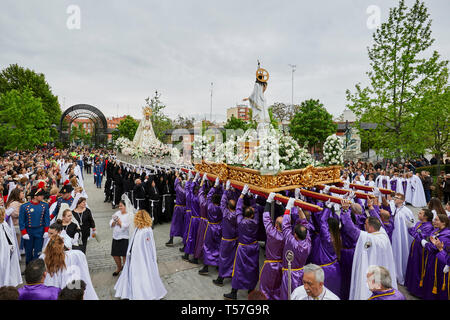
pixel 140 279
pixel 380 284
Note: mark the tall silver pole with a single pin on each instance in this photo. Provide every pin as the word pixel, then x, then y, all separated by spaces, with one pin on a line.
pixel 210 114
pixel 293 66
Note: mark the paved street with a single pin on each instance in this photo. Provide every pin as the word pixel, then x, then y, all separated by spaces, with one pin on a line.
pixel 180 278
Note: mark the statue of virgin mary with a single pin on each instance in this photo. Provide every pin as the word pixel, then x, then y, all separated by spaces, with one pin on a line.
pixel 145 137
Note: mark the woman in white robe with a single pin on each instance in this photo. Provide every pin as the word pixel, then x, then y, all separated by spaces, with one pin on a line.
pixel 65 265
pixel 9 261
pixel 140 278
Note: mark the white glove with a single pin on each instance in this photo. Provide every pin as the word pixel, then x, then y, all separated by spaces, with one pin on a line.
pixel 245 190
pixel 45 235
pixel 328 204
pixel 26 237
pixel 351 195
pixel 205 177
pixel 446 268
pixel 376 192
pixel 197 175
pixel 9 211
pixel 424 242
pixel 270 197
pixel 228 185
pixel 290 204
pixel 216 184
pixel 190 176
pixel 326 189
pixel 297 193
pixel 346 185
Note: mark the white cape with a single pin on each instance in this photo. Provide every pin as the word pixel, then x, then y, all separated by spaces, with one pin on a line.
pixel 409 192
pixel 371 249
pixel 401 241
pixel 399 188
pixel 139 279
pixel 76 269
pixel 418 195
pixel 10 274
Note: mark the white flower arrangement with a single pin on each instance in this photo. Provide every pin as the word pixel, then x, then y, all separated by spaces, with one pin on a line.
pixel 333 151
pixel 266 156
pixel 202 148
pixel 292 156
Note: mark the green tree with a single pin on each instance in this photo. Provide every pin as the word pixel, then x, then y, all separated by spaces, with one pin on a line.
pixel 24 124
pixel 235 123
pixel 16 77
pixel 312 124
pixel 160 121
pixel 183 123
pixel 400 76
pixel 126 128
pixel 435 121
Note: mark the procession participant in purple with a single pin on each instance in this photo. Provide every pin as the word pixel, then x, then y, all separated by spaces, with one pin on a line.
pixel 228 243
pixel 414 268
pixel 188 213
pixel 401 239
pixel 358 215
pixel 213 232
pixel 270 274
pixel 246 260
pixel 433 279
pixel 299 242
pixel 380 284
pixel 194 219
pixel 203 222
pixel 177 225
pixel 372 248
pixel 35 289
pixel 387 221
pixel 326 254
pixel 393 182
pixel 346 260
pixel 259 210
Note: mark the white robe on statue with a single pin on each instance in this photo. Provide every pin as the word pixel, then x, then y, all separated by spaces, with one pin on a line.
pixel 258 104
pixel 418 194
pixel 401 239
pixel 76 269
pixel 140 278
pixel 10 274
pixel 371 249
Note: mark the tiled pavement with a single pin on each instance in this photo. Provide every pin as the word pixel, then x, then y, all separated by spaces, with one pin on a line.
pixel 180 278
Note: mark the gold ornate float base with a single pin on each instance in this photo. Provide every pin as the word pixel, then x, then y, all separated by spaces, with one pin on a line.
pixel 284 180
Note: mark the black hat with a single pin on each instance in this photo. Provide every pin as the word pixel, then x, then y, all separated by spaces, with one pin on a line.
pixel 66 189
pixel 35 192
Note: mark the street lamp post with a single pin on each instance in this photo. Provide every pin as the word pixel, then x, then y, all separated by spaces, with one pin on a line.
pixel 293 66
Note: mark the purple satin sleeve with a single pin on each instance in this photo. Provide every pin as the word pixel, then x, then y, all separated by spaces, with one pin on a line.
pixel 349 227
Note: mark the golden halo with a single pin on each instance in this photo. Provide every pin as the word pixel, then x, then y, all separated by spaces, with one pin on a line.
pixel 262 75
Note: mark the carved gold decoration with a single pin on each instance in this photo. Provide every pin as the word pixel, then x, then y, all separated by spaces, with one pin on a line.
pixel 284 180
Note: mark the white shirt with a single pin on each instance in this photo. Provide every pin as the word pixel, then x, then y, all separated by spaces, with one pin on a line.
pixel 300 294
pixel 120 232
